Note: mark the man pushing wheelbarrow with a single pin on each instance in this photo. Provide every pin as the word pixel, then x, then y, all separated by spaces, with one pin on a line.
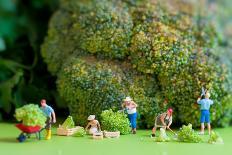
pixel 164 121
pixel 33 120
pixel 27 131
pixel 51 117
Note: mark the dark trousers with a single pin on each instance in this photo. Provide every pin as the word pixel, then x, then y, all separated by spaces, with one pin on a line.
pixel 48 123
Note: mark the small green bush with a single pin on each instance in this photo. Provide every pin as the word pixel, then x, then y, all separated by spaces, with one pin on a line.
pixel 30 115
pixel 187 134
pixel 215 138
pixel 80 132
pixel 115 121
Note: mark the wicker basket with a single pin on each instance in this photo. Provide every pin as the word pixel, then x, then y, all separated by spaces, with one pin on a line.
pixel 98 136
pixel 67 132
pixel 112 134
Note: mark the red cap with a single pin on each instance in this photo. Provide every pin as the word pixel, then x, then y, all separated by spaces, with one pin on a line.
pixel 170 110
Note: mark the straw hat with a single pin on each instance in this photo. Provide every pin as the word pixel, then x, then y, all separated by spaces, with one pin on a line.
pixel 91 117
pixel 127 99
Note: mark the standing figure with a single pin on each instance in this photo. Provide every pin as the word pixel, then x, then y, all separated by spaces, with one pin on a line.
pixel 93 124
pixel 205 114
pixel 51 117
pixel 130 107
pixel 163 120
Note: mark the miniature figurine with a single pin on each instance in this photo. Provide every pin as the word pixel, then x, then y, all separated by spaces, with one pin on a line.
pixel 205 114
pixel 51 117
pixel 130 107
pixel 163 120
pixel 93 124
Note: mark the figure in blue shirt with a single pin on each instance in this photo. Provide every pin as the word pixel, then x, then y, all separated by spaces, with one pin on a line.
pixel 51 117
pixel 205 104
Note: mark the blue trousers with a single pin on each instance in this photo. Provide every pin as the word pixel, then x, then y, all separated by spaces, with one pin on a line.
pixel 132 119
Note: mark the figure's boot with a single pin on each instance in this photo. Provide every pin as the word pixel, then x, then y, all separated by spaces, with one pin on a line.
pixel 133 131
pixel 49 134
pixel 153 135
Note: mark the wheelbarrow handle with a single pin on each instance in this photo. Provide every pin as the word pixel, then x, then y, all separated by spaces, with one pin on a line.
pixel 46 126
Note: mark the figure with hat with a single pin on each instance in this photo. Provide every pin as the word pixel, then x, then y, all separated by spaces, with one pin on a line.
pixel 163 120
pixel 130 107
pixel 205 104
pixel 93 126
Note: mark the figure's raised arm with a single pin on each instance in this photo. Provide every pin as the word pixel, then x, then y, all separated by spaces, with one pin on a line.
pixel 134 105
pixel 198 100
pixel 99 126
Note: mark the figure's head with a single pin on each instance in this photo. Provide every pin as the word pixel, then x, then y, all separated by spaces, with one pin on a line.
pixel 91 117
pixel 127 100
pixel 207 95
pixel 170 111
pixel 43 103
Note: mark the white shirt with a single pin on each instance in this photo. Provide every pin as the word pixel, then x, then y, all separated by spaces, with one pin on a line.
pixel 131 111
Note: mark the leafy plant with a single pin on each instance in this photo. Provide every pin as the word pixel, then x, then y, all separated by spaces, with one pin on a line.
pixel 22 29
pixel 80 132
pixel 214 138
pixel 115 121
pixel 68 123
pixel 187 134
pixel 30 115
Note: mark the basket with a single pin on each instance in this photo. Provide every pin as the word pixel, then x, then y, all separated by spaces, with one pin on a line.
pixel 115 134
pixel 98 135
pixel 67 132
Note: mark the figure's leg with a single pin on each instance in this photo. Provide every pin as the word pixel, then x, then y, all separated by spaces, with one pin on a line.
pixel 207 120
pixel 202 128
pixel 134 123
pixel 202 122
pixel 48 129
pixel 209 128
pixel 129 117
pixel 153 131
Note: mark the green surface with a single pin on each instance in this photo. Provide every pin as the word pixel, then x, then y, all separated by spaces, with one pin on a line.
pixel 139 144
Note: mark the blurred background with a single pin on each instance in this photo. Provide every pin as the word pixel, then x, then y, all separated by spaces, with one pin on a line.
pixel 24 77
pixel 23 74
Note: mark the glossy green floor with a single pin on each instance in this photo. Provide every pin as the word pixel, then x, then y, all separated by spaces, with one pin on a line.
pixel 139 144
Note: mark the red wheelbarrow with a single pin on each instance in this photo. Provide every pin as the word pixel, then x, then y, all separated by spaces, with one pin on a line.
pixel 27 131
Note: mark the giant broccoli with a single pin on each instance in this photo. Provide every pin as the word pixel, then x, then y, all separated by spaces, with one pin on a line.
pixel 104 50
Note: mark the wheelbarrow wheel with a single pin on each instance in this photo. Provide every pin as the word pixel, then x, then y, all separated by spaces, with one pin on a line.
pixel 21 138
